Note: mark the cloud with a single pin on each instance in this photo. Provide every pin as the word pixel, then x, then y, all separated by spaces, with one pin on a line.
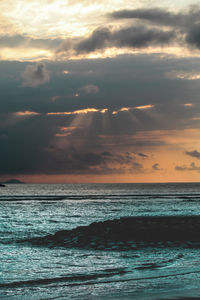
pixel 193 35
pixel 186 23
pixel 48 147
pixel 149 106
pixel 35 144
pixel 155 15
pixel 97 40
pixel 35 75
pixel 160 16
pixel 89 89
pixel 142 155
pixel 136 168
pixel 183 75
pixel 156 167
pixel 137 79
pixel 7 26
pixel 150 27
pixel 12 41
pixel 109 164
pixel 158 28
pixel 106 153
pixel 194 153
pixel 26 113
pixel 133 37
pixel 86 160
pixel 78 112
pixel 18 40
pixel 192 167
pixel 125 109
pixel 141 37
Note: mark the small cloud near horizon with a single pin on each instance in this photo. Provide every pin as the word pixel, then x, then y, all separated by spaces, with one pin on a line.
pixel 35 75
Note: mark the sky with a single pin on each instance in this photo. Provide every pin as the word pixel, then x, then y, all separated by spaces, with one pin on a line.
pixel 100 91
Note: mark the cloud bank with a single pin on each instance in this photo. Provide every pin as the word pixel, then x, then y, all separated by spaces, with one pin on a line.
pixel 149 28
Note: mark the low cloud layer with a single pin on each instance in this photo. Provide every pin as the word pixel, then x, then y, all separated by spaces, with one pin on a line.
pixel 19 40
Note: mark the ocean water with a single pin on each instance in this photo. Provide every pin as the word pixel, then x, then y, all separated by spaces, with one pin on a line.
pixel 30 271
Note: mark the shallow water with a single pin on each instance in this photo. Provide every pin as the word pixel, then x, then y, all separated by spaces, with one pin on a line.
pixel 31 272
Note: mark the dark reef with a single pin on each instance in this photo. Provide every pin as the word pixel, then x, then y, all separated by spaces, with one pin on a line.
pixel 128 233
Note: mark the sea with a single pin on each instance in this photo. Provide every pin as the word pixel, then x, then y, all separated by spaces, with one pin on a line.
pixel 29 271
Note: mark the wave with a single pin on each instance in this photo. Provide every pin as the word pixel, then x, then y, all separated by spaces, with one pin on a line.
pixel 30 198
pixel 127 233
pixel 173 196
pixel 69 278
pixel 89 279
pixel 161 264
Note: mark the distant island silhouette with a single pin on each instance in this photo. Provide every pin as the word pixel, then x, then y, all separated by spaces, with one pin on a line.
pixel 11 181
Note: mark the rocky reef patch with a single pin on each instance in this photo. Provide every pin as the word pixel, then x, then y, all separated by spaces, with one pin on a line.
pixel 127 233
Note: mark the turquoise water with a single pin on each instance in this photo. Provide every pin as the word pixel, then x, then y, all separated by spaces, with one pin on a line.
pixel 30 272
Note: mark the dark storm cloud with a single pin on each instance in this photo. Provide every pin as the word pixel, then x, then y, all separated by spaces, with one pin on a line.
pixel 193 35
pixel 140 37
pixel 160 16
pixel 150 27
pixel 29 145
pixel 35 75
pixel 186 23
pixel 134 37
pixel 139 80
pixel 192 167
pixel 102 164
pixel 93 143
pixel 22 151
pixel 98 163
pixel 97 40
pixel 27 148
pixel 194 153
pixel 155 15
